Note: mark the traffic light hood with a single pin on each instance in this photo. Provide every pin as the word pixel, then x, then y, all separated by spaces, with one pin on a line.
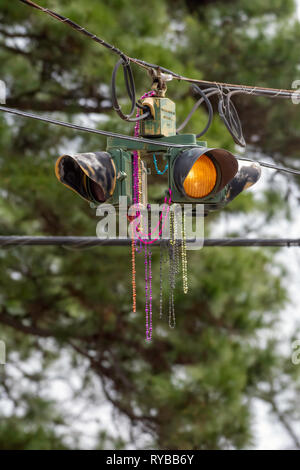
pixel 200 171
pixel 91 175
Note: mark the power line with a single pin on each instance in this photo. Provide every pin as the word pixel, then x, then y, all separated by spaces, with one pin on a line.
pixel 131 138
pixel 77 27
pixel 88 242
pixel 252 90
pixel 293 171
pixel 90 130
pixel 226 108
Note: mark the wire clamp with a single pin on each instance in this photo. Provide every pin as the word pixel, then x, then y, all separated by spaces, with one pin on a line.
pixel 158 82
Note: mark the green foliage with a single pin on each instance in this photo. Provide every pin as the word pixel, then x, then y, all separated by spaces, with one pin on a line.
pixel 15 436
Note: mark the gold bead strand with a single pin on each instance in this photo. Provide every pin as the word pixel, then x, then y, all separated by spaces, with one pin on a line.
pixel 172 267
pixel 184 258
pixel 176 244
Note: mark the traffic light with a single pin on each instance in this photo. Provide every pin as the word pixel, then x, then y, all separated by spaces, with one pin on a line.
pixel 247 176
pixel 91 175
pixel 196 173
pixel 101 176
pixel 200 174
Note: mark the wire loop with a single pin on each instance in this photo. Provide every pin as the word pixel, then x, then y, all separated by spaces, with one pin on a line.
pixel 230 117
pixel 204 98
pixel 130 88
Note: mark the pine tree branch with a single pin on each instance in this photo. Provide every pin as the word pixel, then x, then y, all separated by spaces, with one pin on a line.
pixel 56 105
pixel 9 320
pixel 15 50
pixel 285 423
pixel 104 374
pixel 282 418
pixel 27 35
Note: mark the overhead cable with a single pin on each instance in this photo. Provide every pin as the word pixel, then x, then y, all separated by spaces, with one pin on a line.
pixel 88 242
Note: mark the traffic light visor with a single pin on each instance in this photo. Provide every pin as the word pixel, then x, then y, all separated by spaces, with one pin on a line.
pixel 200 171
pixel 91 175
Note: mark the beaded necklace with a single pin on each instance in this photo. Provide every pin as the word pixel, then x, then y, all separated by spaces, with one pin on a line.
pixel 160 281
pixel 133 273
pixel 159 172
pixel 184 257
pixel 174 248
pixel 174 266
pixel 172 271
pixel 137 197
pixel 148 293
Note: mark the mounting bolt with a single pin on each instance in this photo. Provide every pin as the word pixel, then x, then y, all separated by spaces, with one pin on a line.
pixel 121 175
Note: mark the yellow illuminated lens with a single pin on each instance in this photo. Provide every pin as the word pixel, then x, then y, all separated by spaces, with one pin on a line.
pixel 201 178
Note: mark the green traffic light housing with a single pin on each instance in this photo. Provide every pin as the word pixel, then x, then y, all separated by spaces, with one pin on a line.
pixel 196 173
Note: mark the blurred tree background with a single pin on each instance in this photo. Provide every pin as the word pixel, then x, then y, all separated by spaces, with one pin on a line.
pixel 65 314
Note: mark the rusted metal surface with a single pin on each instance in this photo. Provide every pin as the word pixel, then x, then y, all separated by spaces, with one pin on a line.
pixel 163 122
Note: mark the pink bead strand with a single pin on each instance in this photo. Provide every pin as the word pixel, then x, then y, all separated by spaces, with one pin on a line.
pixel 136 200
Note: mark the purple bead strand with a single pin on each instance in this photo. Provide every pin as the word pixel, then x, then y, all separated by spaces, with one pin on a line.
pixel 136 200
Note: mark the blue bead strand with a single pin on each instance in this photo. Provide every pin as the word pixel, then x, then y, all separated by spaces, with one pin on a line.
pixel 159 172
